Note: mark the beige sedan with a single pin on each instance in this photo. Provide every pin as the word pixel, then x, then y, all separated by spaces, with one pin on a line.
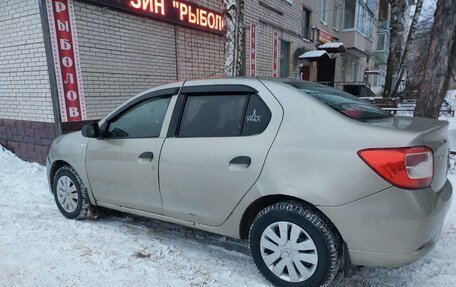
pixel 315 179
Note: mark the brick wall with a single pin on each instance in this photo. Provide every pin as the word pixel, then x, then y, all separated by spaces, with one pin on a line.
pixel 26 114
pixel 24 82
pixel 199 54
pixel 29 140
pixel 123 54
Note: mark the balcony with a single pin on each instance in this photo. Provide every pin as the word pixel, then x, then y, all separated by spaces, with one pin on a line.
pixel 357 44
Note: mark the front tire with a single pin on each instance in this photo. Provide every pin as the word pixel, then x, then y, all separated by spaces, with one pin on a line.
pixel 70 194
pixel 294 245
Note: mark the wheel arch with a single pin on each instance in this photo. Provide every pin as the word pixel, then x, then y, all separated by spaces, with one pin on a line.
pixel 56 165
pixel 259 204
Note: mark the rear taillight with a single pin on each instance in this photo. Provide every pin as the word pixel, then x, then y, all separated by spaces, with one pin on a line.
pixel 409 168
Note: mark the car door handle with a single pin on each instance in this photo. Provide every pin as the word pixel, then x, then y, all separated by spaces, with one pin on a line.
pixel 241 160
pixel 147 155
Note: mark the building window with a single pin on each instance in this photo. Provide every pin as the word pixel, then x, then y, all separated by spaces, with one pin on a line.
pixel 349 14
pixel 337 13
pixel 357 15
pixel 306 23
pixel 284 59
pixel 323 11
pixel 381 42
pixel 355 69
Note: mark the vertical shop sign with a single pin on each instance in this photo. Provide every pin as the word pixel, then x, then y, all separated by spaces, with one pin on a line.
pixel 275 58
pixel 252 50
pixel 67 66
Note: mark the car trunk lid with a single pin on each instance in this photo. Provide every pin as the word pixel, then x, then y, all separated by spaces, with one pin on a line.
pixel 428 132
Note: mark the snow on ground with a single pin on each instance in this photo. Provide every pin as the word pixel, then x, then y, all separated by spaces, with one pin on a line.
pixel 39 247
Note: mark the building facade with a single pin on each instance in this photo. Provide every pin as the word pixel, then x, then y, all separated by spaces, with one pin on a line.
pixel 306 25
pixel 58 74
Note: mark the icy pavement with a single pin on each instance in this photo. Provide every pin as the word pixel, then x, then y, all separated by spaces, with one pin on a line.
pixel 39 247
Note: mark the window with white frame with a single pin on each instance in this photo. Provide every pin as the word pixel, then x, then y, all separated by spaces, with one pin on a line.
pixel 323 10
pixel 381 42
pixel 337 15
pixel 357 15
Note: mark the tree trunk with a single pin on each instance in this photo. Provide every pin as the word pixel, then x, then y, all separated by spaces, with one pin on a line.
pixel 408 46
pixel 234 37
pixel 440 61
pixel 395 42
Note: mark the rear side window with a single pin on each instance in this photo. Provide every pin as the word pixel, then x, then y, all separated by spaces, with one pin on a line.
pixel 257 116
pixel 342 102
pixel 223 116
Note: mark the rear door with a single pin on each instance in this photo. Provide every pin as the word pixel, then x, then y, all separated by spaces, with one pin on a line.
pixel 218 141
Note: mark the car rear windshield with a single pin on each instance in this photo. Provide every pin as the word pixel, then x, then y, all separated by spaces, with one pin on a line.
pixel 340 101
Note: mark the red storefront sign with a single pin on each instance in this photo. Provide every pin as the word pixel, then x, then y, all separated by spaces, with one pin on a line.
pixel 65 50
pixel 324 36
pixel 179 12
pixel 275 56
pixel 252 50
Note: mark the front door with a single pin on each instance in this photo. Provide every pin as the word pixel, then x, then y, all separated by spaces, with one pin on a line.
pixel 123 167
pixel 217 151
pixel 326 71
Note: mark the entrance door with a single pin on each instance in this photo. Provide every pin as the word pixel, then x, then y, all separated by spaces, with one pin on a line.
pixel 123 167
pixel 326 70
pixel 305 73
pixel 217 151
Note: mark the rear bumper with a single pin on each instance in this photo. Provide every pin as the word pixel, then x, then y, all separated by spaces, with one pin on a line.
pixel 393 227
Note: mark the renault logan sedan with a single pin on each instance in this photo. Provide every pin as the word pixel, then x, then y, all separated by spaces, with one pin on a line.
pixel 314 178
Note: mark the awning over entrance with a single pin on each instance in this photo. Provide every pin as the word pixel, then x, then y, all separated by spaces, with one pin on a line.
pixel 315 55
pixel 333 47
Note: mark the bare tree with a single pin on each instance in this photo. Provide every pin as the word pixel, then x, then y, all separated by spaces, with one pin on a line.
pixel 408 46
pixel 234 37
pixel 440 61
pixel 397 26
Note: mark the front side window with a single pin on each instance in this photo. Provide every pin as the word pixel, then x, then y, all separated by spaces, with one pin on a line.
pixel 144 120
pixel 223 116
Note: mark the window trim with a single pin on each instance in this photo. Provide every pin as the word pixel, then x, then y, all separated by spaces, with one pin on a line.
pixel 105 126
pixel 176 119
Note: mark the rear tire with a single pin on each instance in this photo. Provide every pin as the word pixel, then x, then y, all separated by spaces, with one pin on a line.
pixel 70 194
pixel 294 245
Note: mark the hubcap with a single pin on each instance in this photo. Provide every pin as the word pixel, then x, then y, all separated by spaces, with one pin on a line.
pixel 288 251
pixel 67 194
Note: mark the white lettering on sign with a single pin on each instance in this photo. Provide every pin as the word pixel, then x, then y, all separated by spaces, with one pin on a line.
pixel 74 112
pixel 65 44
pixel 63 26
pixel 60 7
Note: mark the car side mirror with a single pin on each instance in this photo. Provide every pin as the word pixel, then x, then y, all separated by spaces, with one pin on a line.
pixel 91 130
